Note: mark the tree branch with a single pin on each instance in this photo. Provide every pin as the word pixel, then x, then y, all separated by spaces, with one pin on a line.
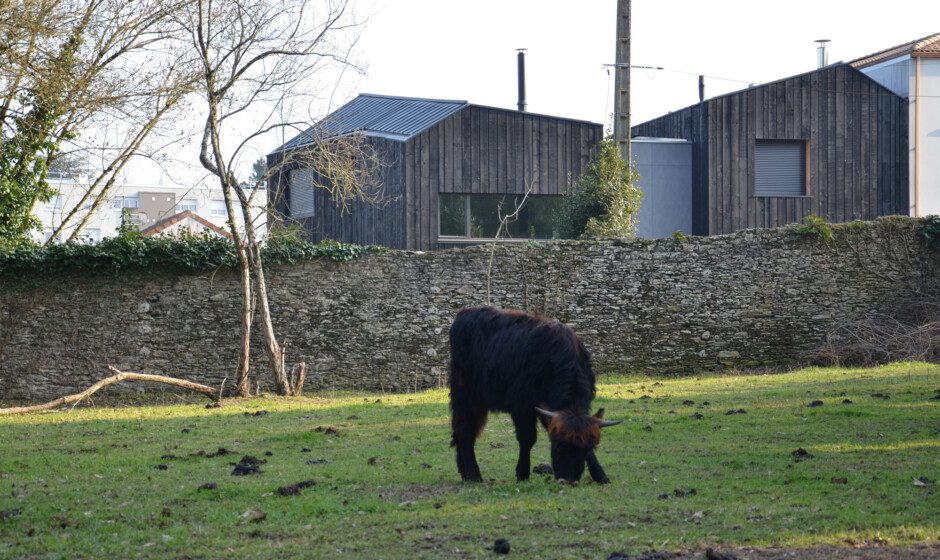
pixel 119 376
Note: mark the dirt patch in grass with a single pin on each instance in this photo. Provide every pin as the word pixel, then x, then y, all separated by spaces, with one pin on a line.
pixel 417 492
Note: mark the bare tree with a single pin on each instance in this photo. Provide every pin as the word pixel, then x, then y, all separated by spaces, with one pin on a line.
pixel 256 59
pixel 504 221
pixel 73 69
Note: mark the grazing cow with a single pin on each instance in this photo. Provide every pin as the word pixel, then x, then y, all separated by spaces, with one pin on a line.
pixel 533 368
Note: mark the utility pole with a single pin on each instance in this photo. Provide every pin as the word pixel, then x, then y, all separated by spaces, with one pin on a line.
pixel 622 81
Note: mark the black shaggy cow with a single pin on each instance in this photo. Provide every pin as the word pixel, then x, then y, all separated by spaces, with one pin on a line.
pixel 531 367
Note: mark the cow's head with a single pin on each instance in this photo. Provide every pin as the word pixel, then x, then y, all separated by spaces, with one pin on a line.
pixel 573 437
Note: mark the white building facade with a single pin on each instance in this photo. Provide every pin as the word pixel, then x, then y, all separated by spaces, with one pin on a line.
pixel 912 70
pixel 142 206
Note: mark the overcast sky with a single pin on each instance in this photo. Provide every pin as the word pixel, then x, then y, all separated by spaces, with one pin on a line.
pixel 467 50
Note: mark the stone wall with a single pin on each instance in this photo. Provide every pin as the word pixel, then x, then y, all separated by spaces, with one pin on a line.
pixel 755 298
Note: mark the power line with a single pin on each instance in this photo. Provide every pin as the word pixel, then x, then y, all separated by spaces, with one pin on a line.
pixel 639 67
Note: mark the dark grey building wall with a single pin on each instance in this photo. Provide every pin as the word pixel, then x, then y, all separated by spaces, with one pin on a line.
pixel 857 133
pixel 476 150
pixel 376 220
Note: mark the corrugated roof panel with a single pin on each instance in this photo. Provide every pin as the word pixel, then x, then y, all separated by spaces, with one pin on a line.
pixel 399 118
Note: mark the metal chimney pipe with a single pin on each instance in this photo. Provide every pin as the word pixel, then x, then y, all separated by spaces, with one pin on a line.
pixel 822 55
pixel 701 88
pixel 521 59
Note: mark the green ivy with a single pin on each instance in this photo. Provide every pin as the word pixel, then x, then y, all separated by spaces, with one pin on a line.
pixel 813 226
pixel 605 199
pixel 929 230
pixel 132 252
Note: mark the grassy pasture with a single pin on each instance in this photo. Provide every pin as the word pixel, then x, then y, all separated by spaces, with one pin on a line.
pixel 129 479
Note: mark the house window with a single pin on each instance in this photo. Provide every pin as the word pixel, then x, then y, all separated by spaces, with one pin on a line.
pixel 122 202
pixel 217 208
pixel 55 203
pixel 186 204
pixel 300 194
pixel 780 168
pixel 478 215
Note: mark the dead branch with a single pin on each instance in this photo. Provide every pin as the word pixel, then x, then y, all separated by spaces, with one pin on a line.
pixel 297 387
pixel 908 330
pixel 504 222
pixel 119 376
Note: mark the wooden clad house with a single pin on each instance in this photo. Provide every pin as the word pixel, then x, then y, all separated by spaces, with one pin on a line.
pixel 449 168
pixel 832 142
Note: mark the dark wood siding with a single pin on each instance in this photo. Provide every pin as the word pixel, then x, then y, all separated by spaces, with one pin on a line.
pixel 499 152
pixel 361 222
pixel 857 134
pixel 475 150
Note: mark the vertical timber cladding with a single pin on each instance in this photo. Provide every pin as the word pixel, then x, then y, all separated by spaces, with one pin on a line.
pixel 379 218
pixel 483 150
pixel 856 170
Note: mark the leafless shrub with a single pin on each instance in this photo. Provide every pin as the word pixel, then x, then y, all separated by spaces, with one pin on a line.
pixel 907 330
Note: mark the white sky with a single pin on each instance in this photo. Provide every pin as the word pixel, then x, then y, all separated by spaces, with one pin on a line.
pixel 467 50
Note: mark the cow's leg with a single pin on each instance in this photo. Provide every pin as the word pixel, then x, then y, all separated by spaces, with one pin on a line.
pixel 597 472
pixel 467 421
pixel 526 434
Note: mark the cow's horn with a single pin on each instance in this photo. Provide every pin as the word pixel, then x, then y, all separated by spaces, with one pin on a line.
pixel 547 413
pixel 606 423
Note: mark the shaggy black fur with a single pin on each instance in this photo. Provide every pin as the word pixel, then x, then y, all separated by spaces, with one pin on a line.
pixel 510 361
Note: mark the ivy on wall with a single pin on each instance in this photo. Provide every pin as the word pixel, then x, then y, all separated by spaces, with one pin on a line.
pixel 131 251
pixel 929 230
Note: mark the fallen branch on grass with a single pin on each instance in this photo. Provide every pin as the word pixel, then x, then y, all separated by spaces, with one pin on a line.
pixel 119 376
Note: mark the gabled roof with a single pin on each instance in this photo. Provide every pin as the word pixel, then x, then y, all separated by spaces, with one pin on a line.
pixel 167 223
pixel 397 118
pixel 928 46
pixel 831 67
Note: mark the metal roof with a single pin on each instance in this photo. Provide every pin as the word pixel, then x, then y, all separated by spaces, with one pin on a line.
pixel 397 118
pixel 929 46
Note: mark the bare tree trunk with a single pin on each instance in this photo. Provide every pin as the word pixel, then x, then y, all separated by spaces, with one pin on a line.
pixel 272 348
pixel 242 369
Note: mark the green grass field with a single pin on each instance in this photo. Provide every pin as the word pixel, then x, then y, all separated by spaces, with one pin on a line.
pixel 128 480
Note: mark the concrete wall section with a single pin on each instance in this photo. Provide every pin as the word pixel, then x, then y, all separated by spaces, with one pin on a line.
pixel 757 297
pixel 894 74
pixel 928 137
pixel 665 168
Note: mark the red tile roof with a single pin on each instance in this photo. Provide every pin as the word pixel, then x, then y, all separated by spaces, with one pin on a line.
pixel 928 46
pixel 165 223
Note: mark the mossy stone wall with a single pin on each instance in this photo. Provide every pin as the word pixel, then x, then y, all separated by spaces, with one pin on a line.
pixel 669 306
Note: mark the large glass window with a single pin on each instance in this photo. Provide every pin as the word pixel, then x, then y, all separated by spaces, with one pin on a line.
pixel 189 204
pixel 478 215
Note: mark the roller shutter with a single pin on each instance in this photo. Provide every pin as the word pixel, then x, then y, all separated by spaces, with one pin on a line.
pixel 300 194
pixel 780 168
